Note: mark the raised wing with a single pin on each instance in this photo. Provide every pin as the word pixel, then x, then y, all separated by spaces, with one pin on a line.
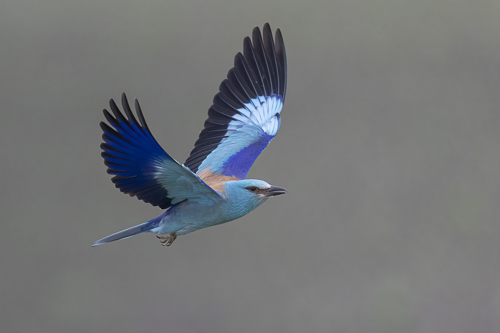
pixel 142 168
pixel 245 115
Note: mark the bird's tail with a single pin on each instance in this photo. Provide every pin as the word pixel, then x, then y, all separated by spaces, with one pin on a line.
pixel 135 230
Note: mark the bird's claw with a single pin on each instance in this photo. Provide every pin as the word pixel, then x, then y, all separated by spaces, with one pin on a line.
pixel 167 240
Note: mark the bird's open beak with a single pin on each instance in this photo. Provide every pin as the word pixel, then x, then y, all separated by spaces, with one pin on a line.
pixel 275 190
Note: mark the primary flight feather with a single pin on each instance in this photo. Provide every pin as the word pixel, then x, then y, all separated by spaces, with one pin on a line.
pixel 210 187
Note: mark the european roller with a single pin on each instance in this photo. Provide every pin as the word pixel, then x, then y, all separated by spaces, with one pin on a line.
pixel 210 187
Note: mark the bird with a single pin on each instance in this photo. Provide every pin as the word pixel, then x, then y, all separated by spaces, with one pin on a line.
pixel 210 188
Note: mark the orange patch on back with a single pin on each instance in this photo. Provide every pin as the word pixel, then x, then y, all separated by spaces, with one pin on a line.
pixel 215 181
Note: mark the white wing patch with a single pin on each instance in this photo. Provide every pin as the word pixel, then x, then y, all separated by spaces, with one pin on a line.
pixel 262 112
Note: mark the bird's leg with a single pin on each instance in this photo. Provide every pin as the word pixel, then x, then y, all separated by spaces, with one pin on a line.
pixel 167 240
pixel 170 240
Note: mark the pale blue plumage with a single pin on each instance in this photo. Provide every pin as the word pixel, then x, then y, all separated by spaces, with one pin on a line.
pixel 210 188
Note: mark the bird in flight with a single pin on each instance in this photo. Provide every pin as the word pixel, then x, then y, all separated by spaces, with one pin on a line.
pixel 210 187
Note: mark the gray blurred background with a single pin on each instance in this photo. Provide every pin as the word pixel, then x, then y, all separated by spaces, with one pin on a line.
pixel 389 149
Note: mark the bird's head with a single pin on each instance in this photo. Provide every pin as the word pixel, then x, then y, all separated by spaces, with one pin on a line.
pixel 248 194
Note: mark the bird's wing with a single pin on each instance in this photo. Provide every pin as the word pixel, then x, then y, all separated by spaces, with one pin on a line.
pixel 245 115
pixel 142 168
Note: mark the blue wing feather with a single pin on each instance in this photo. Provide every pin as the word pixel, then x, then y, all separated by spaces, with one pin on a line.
pixel 245 115
pixel 141 167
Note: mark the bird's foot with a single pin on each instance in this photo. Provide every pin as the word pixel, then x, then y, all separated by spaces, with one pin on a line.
pixel 167 240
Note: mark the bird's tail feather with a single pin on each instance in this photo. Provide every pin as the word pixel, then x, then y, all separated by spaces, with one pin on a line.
pixel 135 230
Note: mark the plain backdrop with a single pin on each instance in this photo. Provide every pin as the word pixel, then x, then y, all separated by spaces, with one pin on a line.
pixel 389 149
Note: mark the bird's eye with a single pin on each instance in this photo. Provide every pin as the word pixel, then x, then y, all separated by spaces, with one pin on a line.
pixel 252 189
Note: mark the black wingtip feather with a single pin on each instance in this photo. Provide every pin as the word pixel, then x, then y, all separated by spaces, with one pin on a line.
pixel 258 45
pixel 140 115
pixel 128 111
pixel 282 63
pixel 116 111
pixel 271 57
pixel 253 68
